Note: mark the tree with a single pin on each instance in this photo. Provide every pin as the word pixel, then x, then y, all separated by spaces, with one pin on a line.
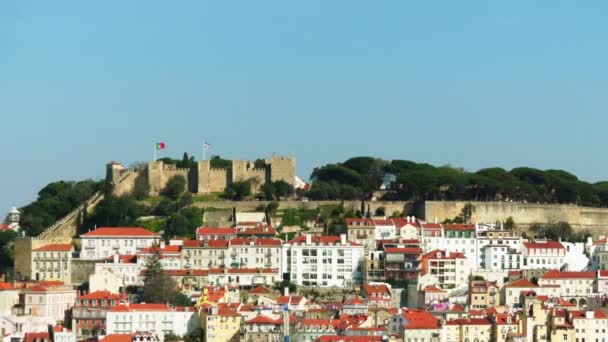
pixel 218 163
pixel 184 222
pixel 158 286
pixel 509 223
pixel 115 211
pixel 286 283
pixel 271 208
pixel 380 211
pixel 237 191
pixel 283 189
pixel 175 187
pixel 467 212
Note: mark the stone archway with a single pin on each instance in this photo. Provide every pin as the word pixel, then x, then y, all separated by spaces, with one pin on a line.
pixel 582 302
pixel 572 301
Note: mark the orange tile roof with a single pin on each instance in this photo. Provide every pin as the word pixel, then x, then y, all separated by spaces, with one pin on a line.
pixel 33 337
pixel 6 286
pixel 376 290
pixel 340 338
pixel 550 244
pixel 555 274
pixel 265 230
pixel 166 250
pixel 459 226
pixel 420 319
pixel 294 300
pixel 433 289
pixel 262 319
pixel 260 290
pixel 58 247
pixel 226 311
pixel 101 295
pixel 444 255
pixel 120 232
pixel 403 250
pixel 118 338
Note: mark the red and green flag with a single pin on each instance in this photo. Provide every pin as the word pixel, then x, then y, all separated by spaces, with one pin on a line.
pixel 160 145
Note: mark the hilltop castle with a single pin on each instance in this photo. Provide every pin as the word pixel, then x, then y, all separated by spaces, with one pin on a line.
pixel 204 179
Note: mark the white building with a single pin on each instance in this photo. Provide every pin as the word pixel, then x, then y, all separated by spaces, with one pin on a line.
pixel 323 261
pixel 170 256
pixel 158 319
pixel 547 254
pixel 105 242
pixel 244 276
pixel 123 266
pixel 451 269
pixel 255 253
pixel 9 297
pixel 384 230
pixel 49 301
pixel 500 257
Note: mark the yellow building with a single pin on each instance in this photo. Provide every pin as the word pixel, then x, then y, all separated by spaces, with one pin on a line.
pixel 468 329
pixel 52 262
pixel 559 327
pixel 483 294
pixel 220 324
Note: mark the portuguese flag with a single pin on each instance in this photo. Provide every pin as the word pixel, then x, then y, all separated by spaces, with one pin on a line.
pixel 160 145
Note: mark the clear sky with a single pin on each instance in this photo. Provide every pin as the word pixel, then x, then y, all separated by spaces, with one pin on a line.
pixel 472 84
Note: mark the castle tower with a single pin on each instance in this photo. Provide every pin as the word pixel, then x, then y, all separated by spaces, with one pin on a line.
pixel 113 170
pixel 155 177
pixel 282 168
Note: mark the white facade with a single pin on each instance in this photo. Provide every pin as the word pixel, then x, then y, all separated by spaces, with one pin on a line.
pixel 245 277
pixel 105 280
pixel 170 257
pixel 323 261
pixel 124 268
pixel 254 253
pixel 105 242
pixel 50 302
pixel 9 296
pixel 500 257
pixel 158 319
pixel 543 254
pixel 385 230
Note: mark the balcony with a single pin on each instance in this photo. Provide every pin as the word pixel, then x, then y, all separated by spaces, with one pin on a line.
pixel 268 254
pixel 234 264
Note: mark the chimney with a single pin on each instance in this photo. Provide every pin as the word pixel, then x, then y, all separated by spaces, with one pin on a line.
pixel 436 220
pixel 407 219
pixel 116 258
pixel 286 291
pixel 308 239
pixel 343 239
pixel 590 314
pixel 162 244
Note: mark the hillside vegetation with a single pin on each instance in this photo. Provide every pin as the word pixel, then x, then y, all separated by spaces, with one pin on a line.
pixel 358 177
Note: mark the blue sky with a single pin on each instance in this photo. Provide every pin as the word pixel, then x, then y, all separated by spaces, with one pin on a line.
pixel 472 84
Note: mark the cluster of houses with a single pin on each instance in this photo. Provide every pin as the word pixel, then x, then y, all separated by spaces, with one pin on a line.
pixel 386 279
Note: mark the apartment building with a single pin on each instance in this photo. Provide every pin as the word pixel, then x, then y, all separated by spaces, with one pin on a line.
pixel 104 242
pixel 205 254
pixel 483 294
pixel 323 261
pixel 157 319
pixel 255 253
pixel 52 262
pixel 210 233
pixel 450 270
pixel 547 254
pixel 48 300
pixel 89 312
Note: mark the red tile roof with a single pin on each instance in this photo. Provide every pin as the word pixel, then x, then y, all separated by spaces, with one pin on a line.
pixel 215 231
pixel 550 244
pixel 340 338
pixel 262 319
pixel 166 250
pixel 59 247
pixel 226 311
pixel 260 290
pixel 6 286
pixel 403 250
pixel 4 227
pixel 358 222
pixel 420 319
pixel 555 274
pixel 431 226
pixel 433 289
pixel 603 273
pixel 459 226
pixel 33 337
pixel 101 295
pixel 376 290
pixel 521 283
pixel 120 232
pixel 443 255
pixel 118 338
pixel 294 300
pixel 255 242
pixel 264 230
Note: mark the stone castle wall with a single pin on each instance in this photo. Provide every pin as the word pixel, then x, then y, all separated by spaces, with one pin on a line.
pixel 204 179
pixel 525 214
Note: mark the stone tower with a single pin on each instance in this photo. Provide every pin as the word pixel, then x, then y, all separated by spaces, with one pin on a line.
pixel 282 168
